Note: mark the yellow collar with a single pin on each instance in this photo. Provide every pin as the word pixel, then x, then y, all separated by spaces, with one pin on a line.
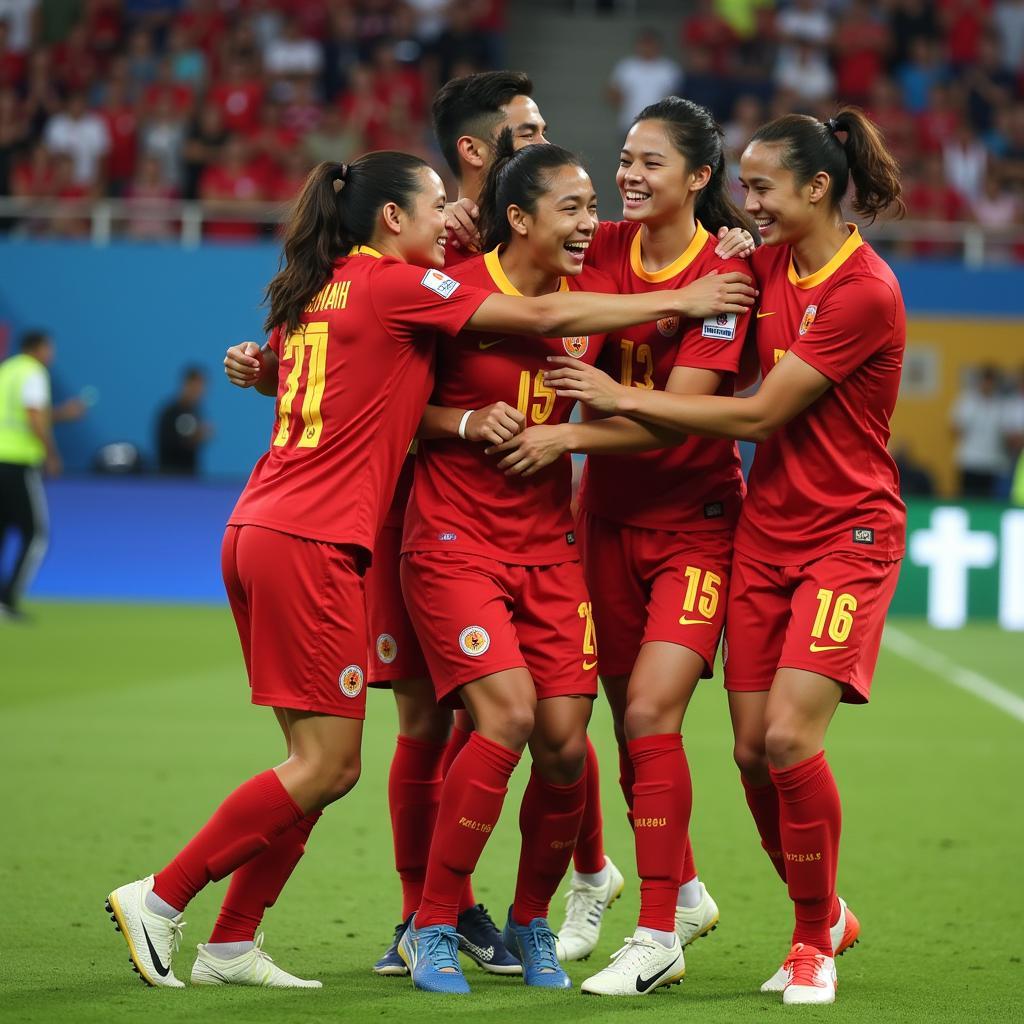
pixel 677 266
pixel 846 250
pixel 500 278
pixel 365 250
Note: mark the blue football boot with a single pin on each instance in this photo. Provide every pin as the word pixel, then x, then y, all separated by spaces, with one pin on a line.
pixel 534 944
pixel 391 964
pixel 432 956
pixel 481 941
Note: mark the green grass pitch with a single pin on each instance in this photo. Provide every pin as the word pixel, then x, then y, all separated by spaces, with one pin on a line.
pixel 123 726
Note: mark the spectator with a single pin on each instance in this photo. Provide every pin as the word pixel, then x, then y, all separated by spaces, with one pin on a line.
pixel 996 207
pixel 181 432
pixel 965 159
pixel 702 84
pixel 19 16
pixel 334 139
pixel 292 53
pixel 897 124
pixel 1008 20
pixel 932 198
pixel 74 62
pixel 963 24
pixel 861 42
pixel 82 134
pixel 122 130
pixel 188 62
pixel 705 30
pixel 166 87
pixel 803 70
pixel 13 136
pixel 989 85
pixel 13 63
pixel 150 196
pixel 302 113
pixel 460 41
pixel 203 143
pixel 236 179
pixel 26 446
pixel 922 71
pixel 142 60
pixel 340 51
pixel 805 22
pixel 71 220
pixel 290 176
pixel 32 177
pixel 1013 420
pixel 239 96
pixel 162 136
pixel 42 98
pixel 910 20
pixel 643 78
pixel 271 141
pixel 978 420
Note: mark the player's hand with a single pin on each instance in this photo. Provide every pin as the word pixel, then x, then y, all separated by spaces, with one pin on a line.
pixel 717 293
pixel 53 466
pixel 460 220
pixel 70 410
pixel 587 384
pixel 734 243
pixel 494 424
pixel 529 452
pixel 243 364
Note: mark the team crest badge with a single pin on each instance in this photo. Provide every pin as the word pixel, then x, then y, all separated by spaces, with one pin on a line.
pixel 668 325
pixel 387 649
pixel 576 346
pixel 809 314
pixel 350 681
pixel 474 641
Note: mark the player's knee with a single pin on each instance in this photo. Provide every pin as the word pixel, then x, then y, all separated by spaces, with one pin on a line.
pixel 646 718
pixel 784 742
pixel 562 763
pixel 428 725
pixel 752 761
pixel 339 779
pixel 511 725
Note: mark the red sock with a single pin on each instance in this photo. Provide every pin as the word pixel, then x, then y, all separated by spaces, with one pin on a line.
pixel 471 798
pixel 467 899
pixel 689 872
pixel 811 819
pixel 549 820
pixel 662 799
pixel 588 857
pixel 245 824
pixel 255 886
pixel 627 779
pixel 763 802
pixel 461 731
pixel 414 789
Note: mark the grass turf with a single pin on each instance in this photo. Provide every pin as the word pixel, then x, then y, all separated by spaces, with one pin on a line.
pixel 125 725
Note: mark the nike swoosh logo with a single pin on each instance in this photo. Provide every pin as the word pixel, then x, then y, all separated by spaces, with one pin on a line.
pixel 485 954
pixel 588 665
pixel 818 648
pixel 484 345
pixel 761 315
pixel 643 984
pixel 684 621
pixel 160 969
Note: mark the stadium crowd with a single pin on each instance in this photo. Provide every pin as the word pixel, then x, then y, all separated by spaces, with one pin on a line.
pixel 220 100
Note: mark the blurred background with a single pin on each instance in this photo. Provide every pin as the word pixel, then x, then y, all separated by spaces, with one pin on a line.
pixel 149 148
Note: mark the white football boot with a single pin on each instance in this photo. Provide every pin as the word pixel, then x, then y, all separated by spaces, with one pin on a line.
pixel 252 968
pixel 845 934
pixel 152 939
pixel 811 977
pixel 693 923
pixel 641 966
pixel 585 906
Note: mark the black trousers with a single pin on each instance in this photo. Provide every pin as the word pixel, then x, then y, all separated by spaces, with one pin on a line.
pixel 22 509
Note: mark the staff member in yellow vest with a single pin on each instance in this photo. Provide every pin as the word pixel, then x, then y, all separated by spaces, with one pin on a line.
pixel 26 445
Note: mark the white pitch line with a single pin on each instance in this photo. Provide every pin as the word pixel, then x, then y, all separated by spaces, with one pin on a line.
pixel 966 679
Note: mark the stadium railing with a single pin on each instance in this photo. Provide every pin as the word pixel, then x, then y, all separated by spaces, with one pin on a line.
pixel 183 221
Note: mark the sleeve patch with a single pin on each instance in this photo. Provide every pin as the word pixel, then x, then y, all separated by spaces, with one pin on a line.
pixel 721 326
pixel 440 284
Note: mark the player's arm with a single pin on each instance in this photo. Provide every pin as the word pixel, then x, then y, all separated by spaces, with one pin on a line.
pixel 790 388
pixel 564 313
pixel 249 366
pixel 539 446
pixel 39 424
pixel 493 424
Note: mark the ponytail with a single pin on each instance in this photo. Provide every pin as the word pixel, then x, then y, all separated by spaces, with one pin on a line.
pixel 336 209
pixel 809 146
pixel 699 139
pixel 517 178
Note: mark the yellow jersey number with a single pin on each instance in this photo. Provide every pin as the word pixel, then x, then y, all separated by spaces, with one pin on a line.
pixel 702 593
pixel 308 348
pixel 840 622
pixel 637 360
pixel 536 400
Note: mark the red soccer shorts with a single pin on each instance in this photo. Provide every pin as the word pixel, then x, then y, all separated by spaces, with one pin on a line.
pixel 301 616
pixel 825 617
pixel 394 650
pixel 655 585
pixel 475 616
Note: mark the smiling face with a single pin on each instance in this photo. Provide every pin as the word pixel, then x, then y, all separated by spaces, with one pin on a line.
pixel 562 225
pixel 422 238
pixel 653 177
pixel 784 211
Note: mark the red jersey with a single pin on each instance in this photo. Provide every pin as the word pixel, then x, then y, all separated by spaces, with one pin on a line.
pixel 461 500
pixel 396 513
pixel 352 385
pixel 697 485
pixel 825 481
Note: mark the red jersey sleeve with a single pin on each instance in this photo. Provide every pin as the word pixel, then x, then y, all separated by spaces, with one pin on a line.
pixel 716 343
pixel 857 318
pixel 408 299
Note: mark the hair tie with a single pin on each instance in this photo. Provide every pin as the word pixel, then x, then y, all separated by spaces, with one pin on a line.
pixel 832 126
pixel 340 178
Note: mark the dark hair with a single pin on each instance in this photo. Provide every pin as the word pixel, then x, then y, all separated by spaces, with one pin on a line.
pixel 809 146
pixel 517 178
pixel 472 106
pixel 33 341
pixel 336 209
pixel 697 136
